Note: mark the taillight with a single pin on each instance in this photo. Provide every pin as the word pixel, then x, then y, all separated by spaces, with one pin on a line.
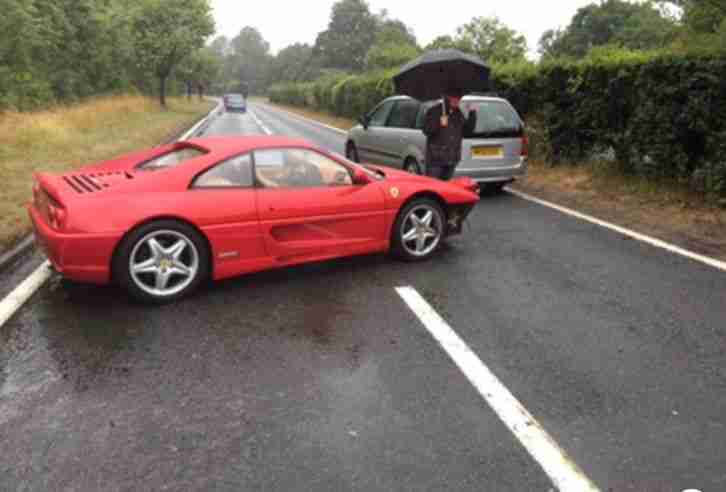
pixel 525 146
pixel 54 211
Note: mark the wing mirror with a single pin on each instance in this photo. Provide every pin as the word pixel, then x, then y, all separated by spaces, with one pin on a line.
pixel 360 177
pixel 365 121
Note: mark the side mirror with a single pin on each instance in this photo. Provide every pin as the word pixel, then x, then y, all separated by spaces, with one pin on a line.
pixel 365 121
pixel 360 177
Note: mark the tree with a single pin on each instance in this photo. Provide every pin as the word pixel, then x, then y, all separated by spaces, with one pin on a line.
pixel 350 34
pixel 448 42
pixel 635 26
pixel 702 24
pixel 390 55
pixel 249 60
pixel 395 44
pixel 492 40
pixel 393 31
pixel 166 31
pixel 199 70
pixel 294 63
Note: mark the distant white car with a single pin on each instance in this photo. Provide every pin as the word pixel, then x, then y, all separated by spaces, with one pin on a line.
pixel 391 135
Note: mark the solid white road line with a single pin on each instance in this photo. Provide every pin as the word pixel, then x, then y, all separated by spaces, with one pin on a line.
pixel 259 123
pixel 626 232
pixel 562 470
pixel 19 296
pixel 24 291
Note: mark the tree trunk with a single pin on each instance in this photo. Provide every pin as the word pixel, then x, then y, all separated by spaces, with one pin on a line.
pixel 189 91
pixel 162 91
pixel 200 91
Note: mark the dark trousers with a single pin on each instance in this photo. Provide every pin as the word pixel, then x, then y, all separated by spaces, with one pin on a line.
pixel 442 172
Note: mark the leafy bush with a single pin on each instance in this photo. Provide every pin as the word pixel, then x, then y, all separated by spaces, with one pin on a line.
pixel 662 115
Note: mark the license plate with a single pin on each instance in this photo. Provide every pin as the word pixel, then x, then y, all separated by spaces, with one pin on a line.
pixel 486 152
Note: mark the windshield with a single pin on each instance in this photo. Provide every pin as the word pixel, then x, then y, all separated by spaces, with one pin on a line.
pixel 494 119
pixel 235 99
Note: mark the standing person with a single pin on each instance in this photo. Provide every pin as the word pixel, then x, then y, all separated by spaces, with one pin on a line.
pixel 444 131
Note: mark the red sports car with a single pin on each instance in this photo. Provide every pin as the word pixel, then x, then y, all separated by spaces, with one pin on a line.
pixel 161 221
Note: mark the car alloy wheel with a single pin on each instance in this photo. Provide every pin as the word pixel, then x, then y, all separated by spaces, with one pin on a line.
pixel 164 263
pixel 421 230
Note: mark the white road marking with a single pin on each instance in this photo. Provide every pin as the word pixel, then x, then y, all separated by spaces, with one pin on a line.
pixel 23 292
pixel 19 296
pixel 624 231
pixel 259 123
pixel 562 470
pixel 294 115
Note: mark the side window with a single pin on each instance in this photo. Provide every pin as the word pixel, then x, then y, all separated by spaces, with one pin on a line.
pixel 298 168
pixel 404 114
pixel 380 114
pixel 232 173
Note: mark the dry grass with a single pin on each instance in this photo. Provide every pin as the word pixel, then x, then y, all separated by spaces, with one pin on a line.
pixel 64 138
pixel 342 123
pixel 661 209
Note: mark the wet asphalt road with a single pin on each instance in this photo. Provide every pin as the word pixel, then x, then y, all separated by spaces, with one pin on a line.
pixel 320 378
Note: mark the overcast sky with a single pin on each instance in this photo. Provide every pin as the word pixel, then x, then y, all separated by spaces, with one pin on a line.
pixel 285 22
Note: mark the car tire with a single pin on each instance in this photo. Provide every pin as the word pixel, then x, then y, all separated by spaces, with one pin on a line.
pixel 410 249
pixel 351 152
pixel 412 166
pixel 165 270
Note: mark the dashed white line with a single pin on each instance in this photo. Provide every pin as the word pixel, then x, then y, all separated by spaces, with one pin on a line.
pixel 565 474
pixel 259 123
pixel 624 231
pixel 309 120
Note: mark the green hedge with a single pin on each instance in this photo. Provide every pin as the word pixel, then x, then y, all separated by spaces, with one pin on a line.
pixel 661 115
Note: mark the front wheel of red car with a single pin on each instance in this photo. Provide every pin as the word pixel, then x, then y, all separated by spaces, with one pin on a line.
pixel 419 230
pixel 161 262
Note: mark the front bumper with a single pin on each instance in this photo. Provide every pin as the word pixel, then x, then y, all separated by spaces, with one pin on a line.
pixel 456 217
pixel 80 257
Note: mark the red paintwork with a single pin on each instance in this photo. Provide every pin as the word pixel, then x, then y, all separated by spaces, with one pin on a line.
pixel 267 228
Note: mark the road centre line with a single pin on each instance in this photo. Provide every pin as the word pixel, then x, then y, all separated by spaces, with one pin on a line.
pixel 565 474
pixel 259 123
pixel 20 295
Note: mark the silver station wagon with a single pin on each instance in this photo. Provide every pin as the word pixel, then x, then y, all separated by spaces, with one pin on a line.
pixel 392 135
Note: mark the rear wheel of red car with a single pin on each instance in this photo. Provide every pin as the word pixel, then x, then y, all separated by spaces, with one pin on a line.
pixel 419 230
pixel 161 261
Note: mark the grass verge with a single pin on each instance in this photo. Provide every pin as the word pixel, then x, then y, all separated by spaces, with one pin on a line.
pixel 65 138
pixel 660 209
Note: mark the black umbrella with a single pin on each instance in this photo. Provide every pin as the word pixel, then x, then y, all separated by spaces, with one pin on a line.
pixel 439 72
